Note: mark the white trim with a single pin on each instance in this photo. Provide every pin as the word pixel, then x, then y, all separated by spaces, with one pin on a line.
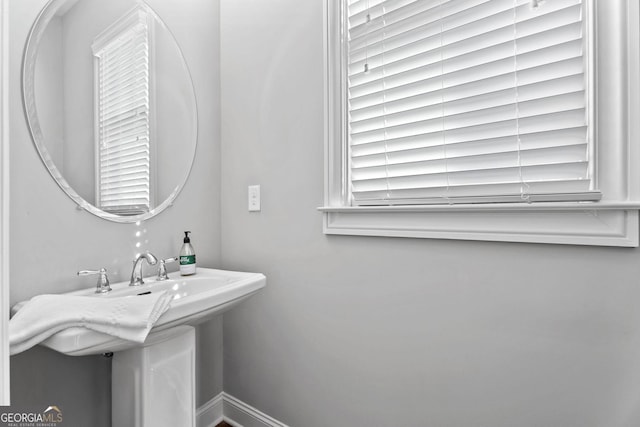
pixel 137 14
pixel 233 411
pixel 334 104
pixel 4 201
pixel 590 228
pixel 240 414
pixel 492 207
pixel 211 413
pixel 614 221
pixel 633 87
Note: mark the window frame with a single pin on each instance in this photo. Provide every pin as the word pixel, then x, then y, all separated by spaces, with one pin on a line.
pixel 123 25
pixel 614 102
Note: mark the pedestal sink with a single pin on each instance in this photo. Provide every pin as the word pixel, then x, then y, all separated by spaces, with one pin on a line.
pixel 153 384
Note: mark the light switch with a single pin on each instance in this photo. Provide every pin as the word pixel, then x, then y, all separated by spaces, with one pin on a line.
pixel 254 198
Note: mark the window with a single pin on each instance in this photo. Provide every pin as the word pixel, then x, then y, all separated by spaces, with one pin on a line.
pixel 123 115
pixel 467 101
pixel 476 119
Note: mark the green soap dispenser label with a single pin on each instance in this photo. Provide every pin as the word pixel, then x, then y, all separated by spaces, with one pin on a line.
pixel 187 259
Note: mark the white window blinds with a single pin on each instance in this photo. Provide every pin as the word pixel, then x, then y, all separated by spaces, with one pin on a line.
pixel 123 131
pixel 467 101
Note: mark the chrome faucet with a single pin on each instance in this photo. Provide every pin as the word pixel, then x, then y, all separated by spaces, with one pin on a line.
pixel 136 273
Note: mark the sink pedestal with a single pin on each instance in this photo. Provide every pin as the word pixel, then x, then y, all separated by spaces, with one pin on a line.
pixel 154 385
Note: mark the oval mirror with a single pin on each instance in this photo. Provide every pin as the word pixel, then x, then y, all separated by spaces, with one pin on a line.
pixel 110 105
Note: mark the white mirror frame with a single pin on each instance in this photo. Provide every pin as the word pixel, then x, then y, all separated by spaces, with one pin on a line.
pixel 28 92
pixel 4 206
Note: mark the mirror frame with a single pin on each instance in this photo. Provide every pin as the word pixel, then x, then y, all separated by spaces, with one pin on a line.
pixel 29 104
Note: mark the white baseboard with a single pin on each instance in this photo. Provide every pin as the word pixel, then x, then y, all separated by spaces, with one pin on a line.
pixel 233 411
pixel 211 413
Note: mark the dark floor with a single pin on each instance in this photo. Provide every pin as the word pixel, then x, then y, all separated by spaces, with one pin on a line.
pixel 223 424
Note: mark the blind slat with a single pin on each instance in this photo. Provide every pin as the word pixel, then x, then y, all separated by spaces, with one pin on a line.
pixel 140 114
pixel 122 157
pixel 550 138
pixel 534 102
pixel 466 68
pixel 124 177
pixel 500 121
pixel 134 165
pixel 400 166
pixel 122 186
pixel 462 99
pixel 496 175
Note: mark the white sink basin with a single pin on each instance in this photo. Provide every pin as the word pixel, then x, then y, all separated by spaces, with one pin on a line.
pixel 196 299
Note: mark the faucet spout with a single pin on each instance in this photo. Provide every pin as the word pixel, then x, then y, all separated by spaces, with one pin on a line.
pixel 136 273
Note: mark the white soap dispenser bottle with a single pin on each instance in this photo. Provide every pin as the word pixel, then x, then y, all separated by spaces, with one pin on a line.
pixel 187 257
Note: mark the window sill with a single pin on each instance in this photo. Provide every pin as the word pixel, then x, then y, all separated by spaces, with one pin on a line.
pixel 574 223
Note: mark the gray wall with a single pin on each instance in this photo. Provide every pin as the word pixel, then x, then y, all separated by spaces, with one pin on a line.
pixel 51 239
pixel 362 331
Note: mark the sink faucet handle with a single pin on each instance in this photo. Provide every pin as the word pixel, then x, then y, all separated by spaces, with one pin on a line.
pixel 162 269
pixel 103 281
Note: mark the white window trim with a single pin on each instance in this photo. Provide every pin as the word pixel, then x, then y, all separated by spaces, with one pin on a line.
pixel 613 221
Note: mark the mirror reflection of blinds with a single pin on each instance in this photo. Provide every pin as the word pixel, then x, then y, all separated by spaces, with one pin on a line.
pixel 123 123
pixel 467 101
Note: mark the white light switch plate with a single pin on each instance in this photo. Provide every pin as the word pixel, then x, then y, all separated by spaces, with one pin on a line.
pixel 254 198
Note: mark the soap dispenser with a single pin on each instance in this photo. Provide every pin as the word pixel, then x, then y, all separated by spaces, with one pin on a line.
pixel 187 256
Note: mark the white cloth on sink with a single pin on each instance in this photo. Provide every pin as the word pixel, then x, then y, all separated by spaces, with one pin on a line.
pixel 130 317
